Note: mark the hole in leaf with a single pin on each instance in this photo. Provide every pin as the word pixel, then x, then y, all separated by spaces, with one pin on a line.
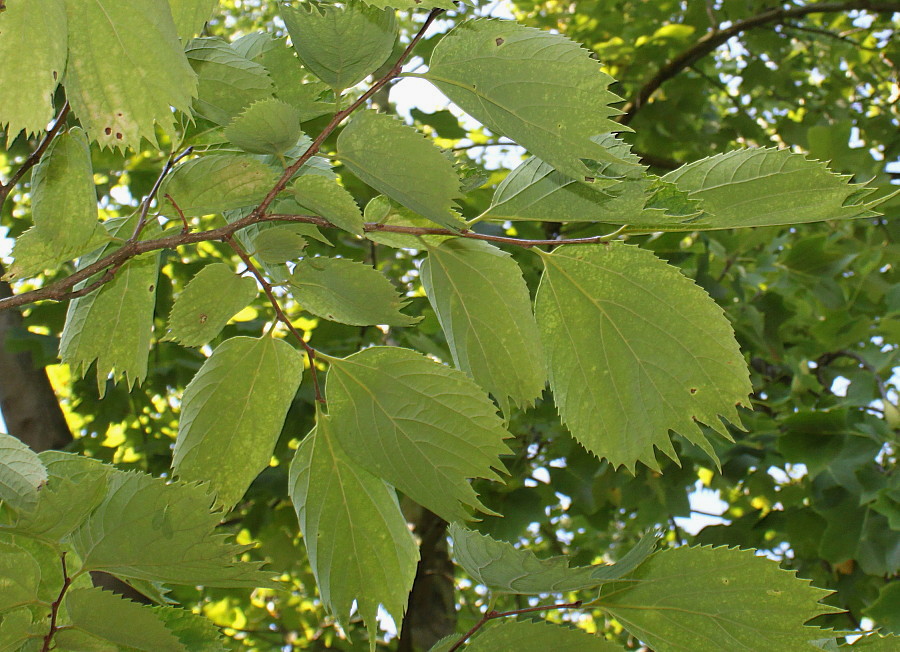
pixel 693 390
pixel 589 179
pixel 499 42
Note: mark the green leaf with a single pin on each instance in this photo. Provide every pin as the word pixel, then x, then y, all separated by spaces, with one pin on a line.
pixel 112 325
pixel 34 72
pixel 875 643
pixel 113 619
pixel 266 127
pixel 714 599
pixel 505 569
pixel 635 349
pixel 191 15
pixel 321 33
pixel 21 474
pixel 232 413
pixel 356 537
pixel 527 636
pixel 542 90
pixel 349 292
pixel 20 576
pixel 418 5
pixel 399 162
pixel 382 210
pixel 768 187
pixel 279 244
pixel 228 82
pixel 218 182
pixel 117 104
pixel 148 529
pixel 206 304
pixel 482 302
pixel 420 425
pixel 196 633
pixel 884 609
pixel 321 196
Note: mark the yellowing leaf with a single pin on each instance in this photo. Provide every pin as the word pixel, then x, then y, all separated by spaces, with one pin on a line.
pixel 218 182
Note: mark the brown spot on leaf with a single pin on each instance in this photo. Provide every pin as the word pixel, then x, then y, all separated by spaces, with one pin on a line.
pixel 107 131
pixel 693 390
pixel 119 114
pixel 203 319
pixel 589 179
pixel 498 41
pixel 119 135
pixel 151 288
pixel 55 75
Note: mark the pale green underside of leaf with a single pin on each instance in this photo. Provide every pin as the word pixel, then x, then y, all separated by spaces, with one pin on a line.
pixel 635 349
pixel 34 254
pixel 196 632
pixel 528 636
pixel 318 195
pixel 117 104
pixel 484 308
pixel 356 537
pixel 206 304
pixel 420 425
pixel 34 72
pixel 190 16
pixel 699 599
pixel 385 211
pixel 17 627
pixel 20 576
pixel 147 529
pixel 218 182
pixel 278 245
pixel 321 33
pixel 21 474
pixel 232 413
pixel 266 127
pixel 505 569
pixel 400 162
pixel 348 292
pixel 541 90
pixel 769 187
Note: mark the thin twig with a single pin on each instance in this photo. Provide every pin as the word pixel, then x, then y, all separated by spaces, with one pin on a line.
pixel 186 228
pixel 492 615
pixel 54 607
pixel 145 205
pixel 36 155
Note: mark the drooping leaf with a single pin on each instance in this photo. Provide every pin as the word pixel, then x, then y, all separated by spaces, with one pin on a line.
pixel 118 104
pixel 228 82
pixel 357 540
pixel 505 569
pixel 21 474
pixel 321 34
pixel 34 72
pixel 232 413
pixel 528 636
pixel 420 425
pixel 147 529
pixel 196 633
pixel 115 620
pixel 266 127
pixel 635 349
pixel 767 187
pixel 191 15
pixel 218 182
pixel 714 599
pixel 320 196
pixel 542 90
pixel 20 576
pixel 482 302
pixel 349 292
pixel 206 304
pixel 399 162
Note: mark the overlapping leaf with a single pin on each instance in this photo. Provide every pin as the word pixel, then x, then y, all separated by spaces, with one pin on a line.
pixel 542 90
pixel 321 196
pixel 266 127
pixel 482 302
pixel 715 599
pixel 635 349
pixel 196 633
pixel 527 636
pixel 117 104
pixel 401 163
pixel 423 427
pixel 21 474
pixel 218 182
pixel 356 537
pixel 191 15
pixel 232 413
pixel 20 576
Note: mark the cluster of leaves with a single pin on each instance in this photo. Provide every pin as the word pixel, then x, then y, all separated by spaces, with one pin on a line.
pixel 633 350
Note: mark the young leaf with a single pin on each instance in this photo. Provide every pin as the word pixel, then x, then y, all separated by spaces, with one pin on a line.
pixel 20 576
pixel 21 474
pixel 117 104
pixel 147 529
pixel 506 569
pixel 34 72
pixel 768 187
pixel 232 413
pixel 482 302
pixel 321 196
pixel 266 127
pixel 528 636
pixel 206 304
pixel 423 427
pixel 714 599
pixel 218 182
pixel 349 292
pixel 542 90
pixel 399 162
pixel 190 16
pixel 635 349
pixel 356 537
pixel 114 620
pixel 321 34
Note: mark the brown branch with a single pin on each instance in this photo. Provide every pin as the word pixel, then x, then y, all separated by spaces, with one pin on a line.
pixel 145 205
pixel 492 615
pixel 54 607
pixel 36 155
pixel 712 40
